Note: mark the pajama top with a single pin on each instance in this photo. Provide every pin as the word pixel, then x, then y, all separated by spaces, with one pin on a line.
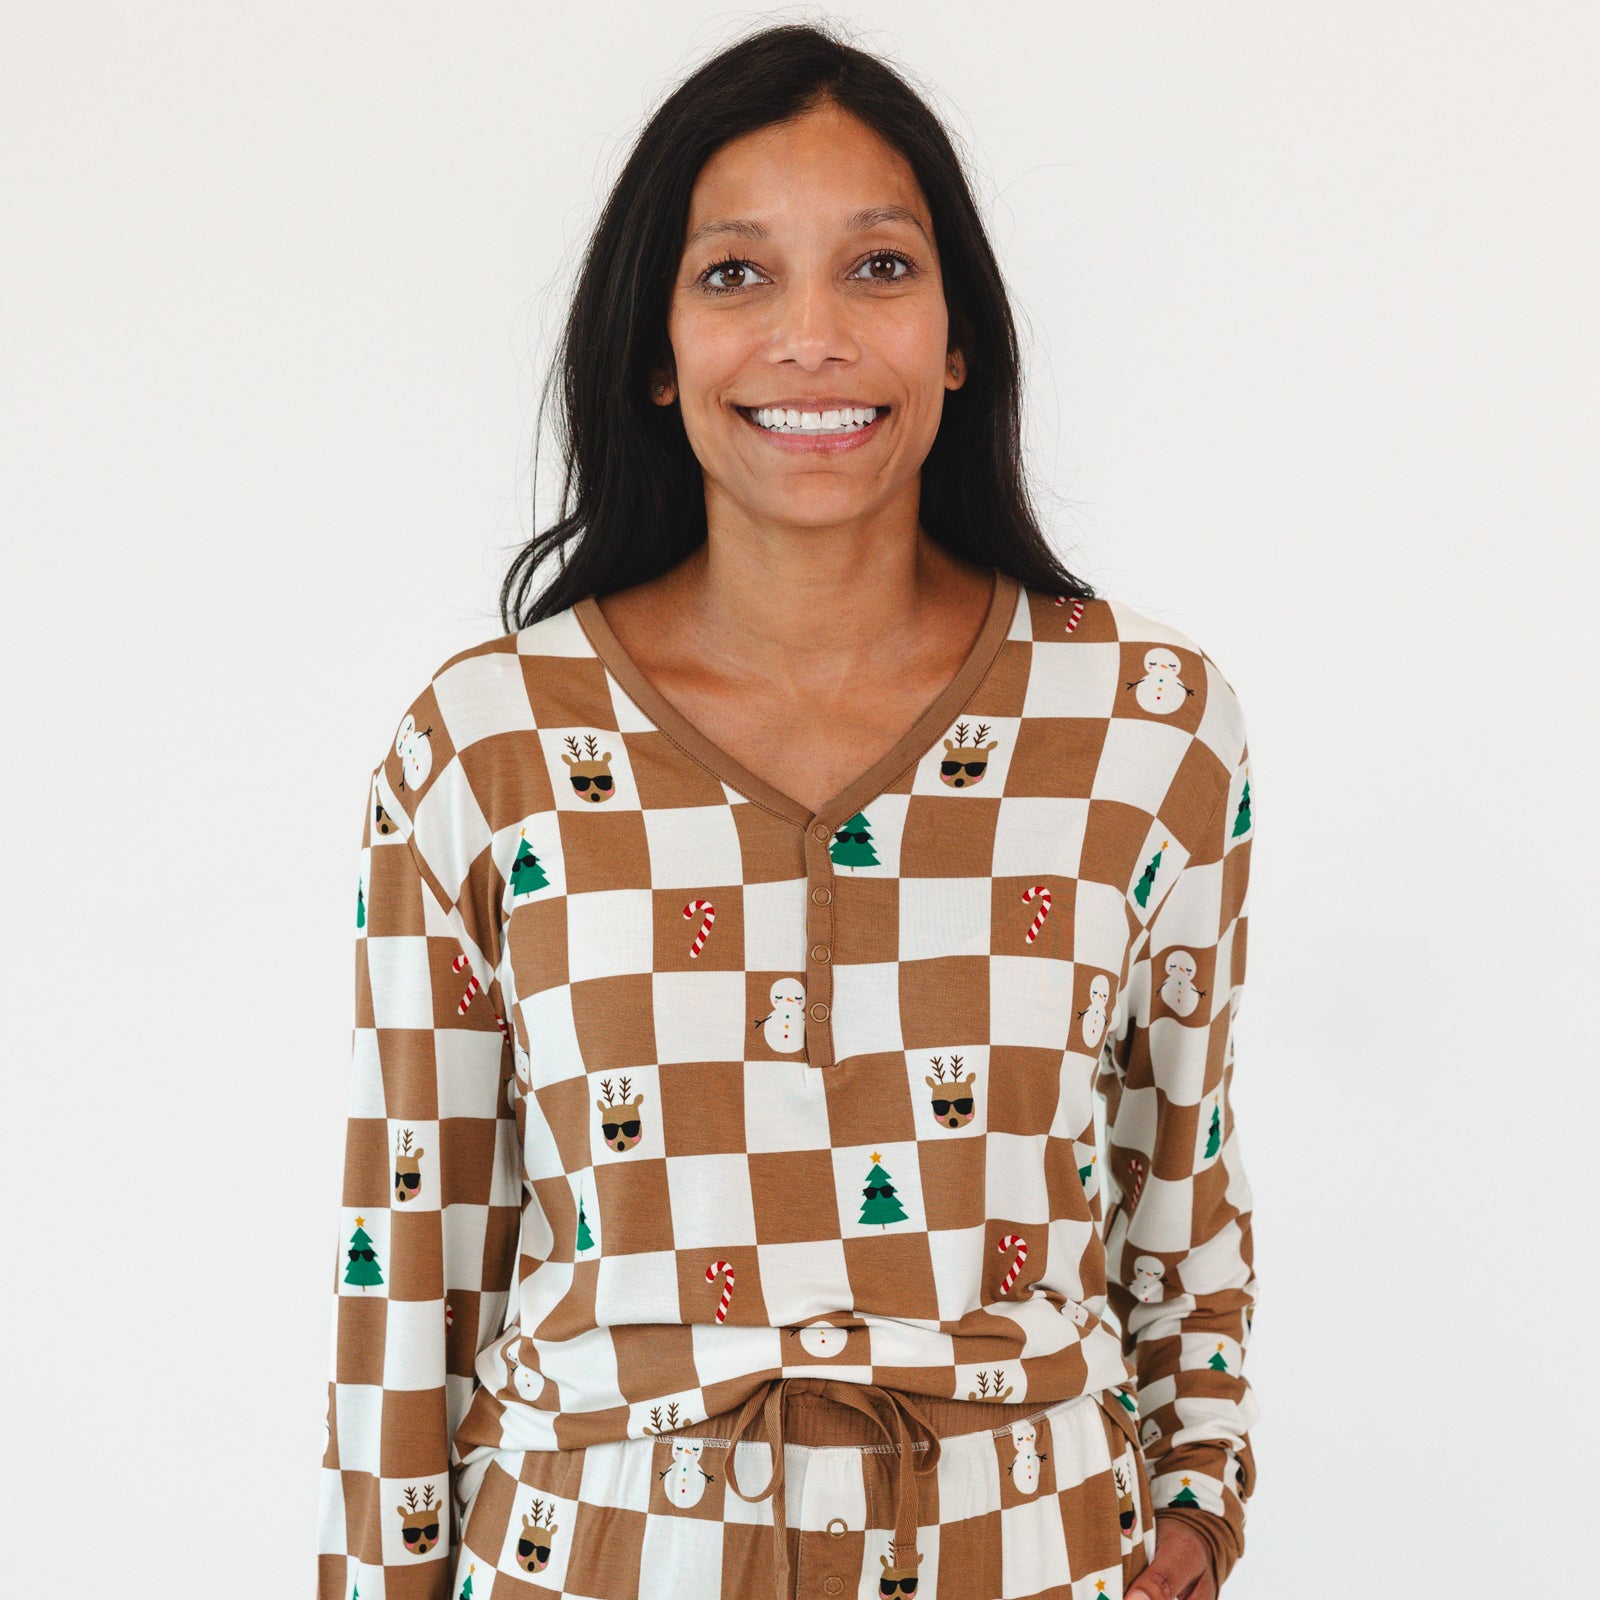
pixel 666 1088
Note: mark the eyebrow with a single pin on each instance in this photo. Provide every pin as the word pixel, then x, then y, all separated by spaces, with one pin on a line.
pixel 856 222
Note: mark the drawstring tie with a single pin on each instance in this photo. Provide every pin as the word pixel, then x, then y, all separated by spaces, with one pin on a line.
pixel 873 1402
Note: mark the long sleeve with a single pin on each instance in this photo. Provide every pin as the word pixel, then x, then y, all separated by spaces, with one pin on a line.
pixel 1179 1250
pixel 428 1219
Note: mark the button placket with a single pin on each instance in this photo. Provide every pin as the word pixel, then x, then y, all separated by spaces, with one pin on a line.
pixel 819 942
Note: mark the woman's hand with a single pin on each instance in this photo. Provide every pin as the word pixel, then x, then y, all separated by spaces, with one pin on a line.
pixel 1181 1568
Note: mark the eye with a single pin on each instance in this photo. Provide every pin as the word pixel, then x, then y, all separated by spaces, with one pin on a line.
pixel 890 255
pixel 725 265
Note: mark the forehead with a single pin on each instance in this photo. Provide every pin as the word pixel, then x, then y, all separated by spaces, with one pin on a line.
pixel 818 170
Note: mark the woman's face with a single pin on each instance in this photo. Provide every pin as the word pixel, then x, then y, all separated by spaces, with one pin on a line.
pixel 809 282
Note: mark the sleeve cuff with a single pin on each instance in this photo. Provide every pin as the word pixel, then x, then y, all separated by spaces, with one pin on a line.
pixel 1206 1486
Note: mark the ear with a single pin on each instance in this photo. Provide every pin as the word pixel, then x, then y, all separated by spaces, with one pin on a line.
pixel 961 340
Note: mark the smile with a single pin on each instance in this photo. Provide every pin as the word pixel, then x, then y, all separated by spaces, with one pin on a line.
pixel 844 429
pixel 847 419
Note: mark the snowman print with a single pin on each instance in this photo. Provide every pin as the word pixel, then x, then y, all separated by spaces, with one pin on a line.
pixel 1160 690
pixel 1178 992
pixel 1025 1463
pixel 822 1339
pixel 685 1480
pixel 1094 1014
pixel 784 1027
pixel 415 750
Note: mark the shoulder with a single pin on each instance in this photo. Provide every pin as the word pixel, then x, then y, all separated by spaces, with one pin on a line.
pixel 461 736
pixel 1129 665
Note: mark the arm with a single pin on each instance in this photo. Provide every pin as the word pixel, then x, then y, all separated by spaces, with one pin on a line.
pixel 1179 1249
pixel 427 1228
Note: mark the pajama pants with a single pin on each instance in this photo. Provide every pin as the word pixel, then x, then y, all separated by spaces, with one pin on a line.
pixel 880 1494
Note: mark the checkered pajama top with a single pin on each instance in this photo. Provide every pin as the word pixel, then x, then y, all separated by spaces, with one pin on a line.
pixel 665 1087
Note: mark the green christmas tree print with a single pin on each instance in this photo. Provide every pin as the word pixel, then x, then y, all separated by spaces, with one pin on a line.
pixel 880 1204
pixel 1214 1142
pixel 526 873
pixel 1184 1497
pixel 852 844
pixel 1241 818
pixel 1141 890
pixel 466 1588
pixel 361 905
pixel 585 1238
pixel 363 1269
pixel 1218 1363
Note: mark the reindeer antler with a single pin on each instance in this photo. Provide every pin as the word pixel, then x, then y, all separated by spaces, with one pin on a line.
pixel 627 1088
pixel 592 743
pixel 605 1089
pixel 411 1498
pixel 427 1497
pixel 938 1068
pixel 983 728
pixel 571 744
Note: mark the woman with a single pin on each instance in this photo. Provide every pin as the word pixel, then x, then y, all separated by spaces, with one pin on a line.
pixel 742 937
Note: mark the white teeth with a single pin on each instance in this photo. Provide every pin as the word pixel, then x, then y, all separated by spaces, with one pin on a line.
pixel 847 419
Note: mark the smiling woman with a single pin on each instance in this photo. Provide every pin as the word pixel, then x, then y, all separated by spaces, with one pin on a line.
pixel 743 937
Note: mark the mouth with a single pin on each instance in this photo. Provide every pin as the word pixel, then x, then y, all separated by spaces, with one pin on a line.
pixel 833 423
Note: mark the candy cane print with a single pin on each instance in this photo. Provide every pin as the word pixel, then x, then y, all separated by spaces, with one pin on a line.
pixel 705 926
pixel 473 986
pixel 1043 895
pixel 1136 1179
pixel 726 1269
pixel 1075 614
pixel 1016 1266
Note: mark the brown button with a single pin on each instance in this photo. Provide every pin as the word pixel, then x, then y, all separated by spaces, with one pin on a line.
pixel 838 1527
pixel 822 895
pixel 820 1011
pixel 833 1585
pixel 822 831
pixel 820 952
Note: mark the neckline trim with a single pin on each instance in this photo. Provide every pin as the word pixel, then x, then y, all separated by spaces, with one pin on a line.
pixel 935 717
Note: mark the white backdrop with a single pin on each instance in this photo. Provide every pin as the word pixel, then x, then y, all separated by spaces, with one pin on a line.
pixel 1308 294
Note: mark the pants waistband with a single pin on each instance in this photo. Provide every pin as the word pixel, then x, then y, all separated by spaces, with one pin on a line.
pixel 813 1418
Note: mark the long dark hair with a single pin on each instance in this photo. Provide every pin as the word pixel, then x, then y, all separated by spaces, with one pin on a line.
pixel 633 496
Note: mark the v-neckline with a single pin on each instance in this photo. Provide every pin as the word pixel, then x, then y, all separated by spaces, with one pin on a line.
pixel 936 717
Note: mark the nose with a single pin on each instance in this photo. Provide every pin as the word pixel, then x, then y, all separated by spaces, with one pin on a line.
pixel 812 323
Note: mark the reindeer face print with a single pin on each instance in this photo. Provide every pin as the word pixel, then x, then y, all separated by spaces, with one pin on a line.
pixel 419 1521
pixel 953 1102
pixel 1127 1512
pixel 620 1124
pixel 588 770
pixel 407 1174
pixel 966 759
pixel 899 1577
pixel 538 1531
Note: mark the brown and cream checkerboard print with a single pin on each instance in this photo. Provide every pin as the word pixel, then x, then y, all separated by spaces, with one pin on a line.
pixel 666 1089
pixel 1018 1503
